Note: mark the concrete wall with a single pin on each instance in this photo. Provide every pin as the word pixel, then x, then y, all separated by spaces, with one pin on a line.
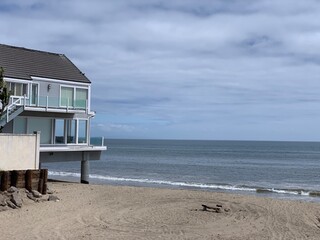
pixel 19 151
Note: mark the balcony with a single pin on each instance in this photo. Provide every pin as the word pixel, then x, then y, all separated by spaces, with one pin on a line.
pixel 50 104
pixel 96 144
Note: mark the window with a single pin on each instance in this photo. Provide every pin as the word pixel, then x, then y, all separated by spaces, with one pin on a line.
pixel 59 131
pixel 81 98
pixel 34 94
pixel 66 131
pixel 71 131
pixel 18 89
pixel 67 94
pixel 82 131
pixel 74 97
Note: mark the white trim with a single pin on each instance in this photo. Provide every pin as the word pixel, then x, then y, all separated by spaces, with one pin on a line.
pixel 89 98
pixel 53 129
pixel 89 131
pixel 11 80
pixel 30 94
pixel 16 80
pixel 74 148
pixel 65 129
pixel 60 81
pixel 77 129
pixel 55 110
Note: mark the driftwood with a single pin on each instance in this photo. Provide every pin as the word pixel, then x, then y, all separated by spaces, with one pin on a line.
pixel 216 209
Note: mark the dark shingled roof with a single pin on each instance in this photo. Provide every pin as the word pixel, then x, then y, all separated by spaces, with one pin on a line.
pixel 23 63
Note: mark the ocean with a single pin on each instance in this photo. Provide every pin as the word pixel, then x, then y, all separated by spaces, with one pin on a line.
pixel 289 170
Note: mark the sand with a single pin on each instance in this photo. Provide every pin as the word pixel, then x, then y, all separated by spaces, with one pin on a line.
pixel 117 212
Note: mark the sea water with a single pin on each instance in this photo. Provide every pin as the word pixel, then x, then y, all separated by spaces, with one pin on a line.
pixel 276 169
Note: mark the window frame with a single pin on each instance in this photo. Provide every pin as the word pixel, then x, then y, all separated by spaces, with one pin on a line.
pixel 65 131
pixel 22 82
pixel 74 95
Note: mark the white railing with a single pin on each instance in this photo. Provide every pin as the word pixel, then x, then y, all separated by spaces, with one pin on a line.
pixel 11 107
pixel 17 100
pixel 51 102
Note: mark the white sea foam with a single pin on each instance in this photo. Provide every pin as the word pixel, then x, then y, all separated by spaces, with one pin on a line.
pixel 183 184
pixel 64 174
pixel 152 181
pixel 281 191
pixel 303 193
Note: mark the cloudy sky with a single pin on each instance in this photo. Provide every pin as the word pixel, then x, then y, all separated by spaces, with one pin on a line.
pixel 185 69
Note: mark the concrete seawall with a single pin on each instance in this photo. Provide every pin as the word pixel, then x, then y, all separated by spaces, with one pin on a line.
pixel 19 151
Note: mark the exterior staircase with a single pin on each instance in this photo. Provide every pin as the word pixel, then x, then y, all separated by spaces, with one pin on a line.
pixel 10 112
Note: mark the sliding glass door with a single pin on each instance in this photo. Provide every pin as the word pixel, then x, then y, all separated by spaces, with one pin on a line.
pixel 34 94
pixel 67 97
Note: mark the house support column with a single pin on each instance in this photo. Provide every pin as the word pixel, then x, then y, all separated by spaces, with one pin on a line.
pixel 85 168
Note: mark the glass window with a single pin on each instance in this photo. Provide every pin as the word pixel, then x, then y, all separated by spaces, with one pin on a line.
pixel 34 94
pixel 67 96
pixel 59 131
pixel 81 98
pixel 11 87
pixel 82 131
pixel 18 89
pixel 71 131
pixel 24 89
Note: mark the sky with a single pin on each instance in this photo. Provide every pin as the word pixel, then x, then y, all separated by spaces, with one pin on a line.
pixel 185 69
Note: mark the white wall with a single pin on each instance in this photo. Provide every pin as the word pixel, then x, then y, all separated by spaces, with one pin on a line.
pixel 19 151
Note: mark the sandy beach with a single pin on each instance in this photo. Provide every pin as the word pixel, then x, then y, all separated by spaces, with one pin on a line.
pixel 120 212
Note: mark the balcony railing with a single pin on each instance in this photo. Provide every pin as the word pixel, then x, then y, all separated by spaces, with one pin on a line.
pixel 50 102
pixel 97 141
pixel 94 141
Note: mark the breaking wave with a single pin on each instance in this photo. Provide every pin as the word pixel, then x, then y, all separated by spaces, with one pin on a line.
pixel 226 187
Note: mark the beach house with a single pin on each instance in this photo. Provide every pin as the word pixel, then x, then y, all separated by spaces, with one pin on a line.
pixel 50 95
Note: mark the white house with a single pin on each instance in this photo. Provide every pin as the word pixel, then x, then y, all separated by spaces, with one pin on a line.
pixel 51 95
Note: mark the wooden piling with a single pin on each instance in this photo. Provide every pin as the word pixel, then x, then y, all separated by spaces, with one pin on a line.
pixel 29 180
pixel 45 179
pixel 40 183
pixel 35 179
pixel 5 180
pixel 18 178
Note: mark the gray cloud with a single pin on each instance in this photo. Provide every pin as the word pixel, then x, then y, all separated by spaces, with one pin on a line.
pixel 185 68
